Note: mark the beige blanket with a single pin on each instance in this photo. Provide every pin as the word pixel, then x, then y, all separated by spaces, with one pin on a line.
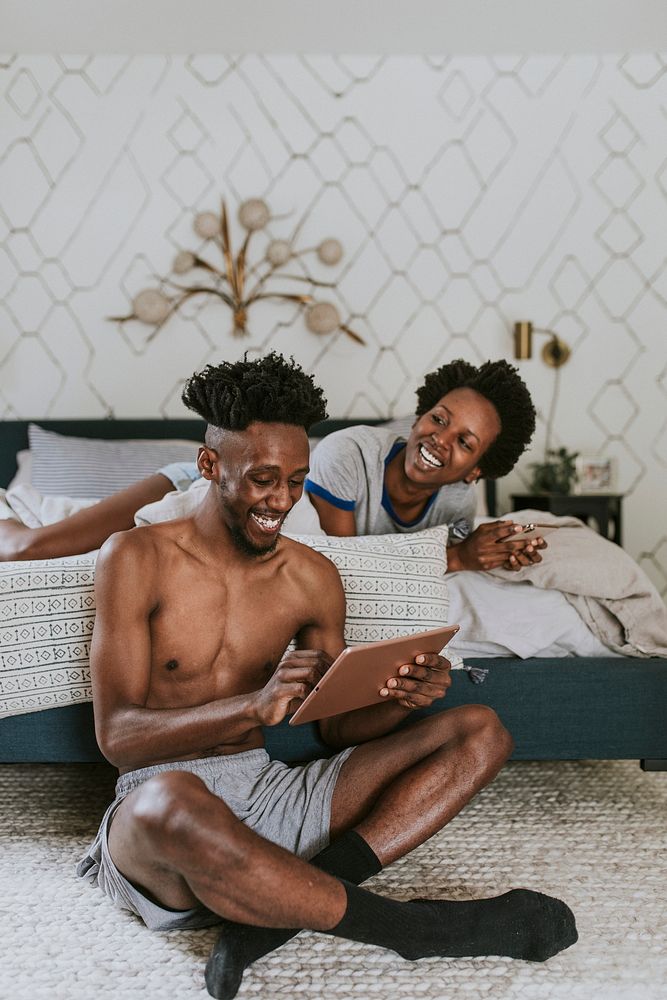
pixel 603 583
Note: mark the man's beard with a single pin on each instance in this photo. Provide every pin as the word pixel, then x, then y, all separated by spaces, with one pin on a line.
pixel 243 544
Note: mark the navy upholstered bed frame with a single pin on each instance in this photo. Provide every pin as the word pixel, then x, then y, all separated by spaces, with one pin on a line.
pixel 556 709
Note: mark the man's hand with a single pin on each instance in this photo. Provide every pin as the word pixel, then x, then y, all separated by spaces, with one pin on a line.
pixel 294 678
pixel 420 683
pixel 492 545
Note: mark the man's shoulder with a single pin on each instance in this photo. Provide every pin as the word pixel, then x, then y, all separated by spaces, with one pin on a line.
pixel 138 544
pixel 308 562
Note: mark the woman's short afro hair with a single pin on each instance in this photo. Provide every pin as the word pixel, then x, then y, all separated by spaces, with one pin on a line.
pixel 500 383
pixel 270 389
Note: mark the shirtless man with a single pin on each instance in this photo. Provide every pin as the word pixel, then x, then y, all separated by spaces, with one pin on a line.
pixel 193 616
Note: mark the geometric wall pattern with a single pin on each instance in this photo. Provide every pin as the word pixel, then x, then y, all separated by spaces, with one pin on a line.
pixel 468 192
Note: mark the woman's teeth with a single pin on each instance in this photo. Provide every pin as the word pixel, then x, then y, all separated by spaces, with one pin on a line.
pixel 429 457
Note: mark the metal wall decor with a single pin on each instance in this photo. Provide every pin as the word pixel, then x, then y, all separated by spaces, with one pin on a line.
pixel 236 282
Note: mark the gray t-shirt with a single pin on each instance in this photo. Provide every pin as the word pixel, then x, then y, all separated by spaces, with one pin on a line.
pixel 347 469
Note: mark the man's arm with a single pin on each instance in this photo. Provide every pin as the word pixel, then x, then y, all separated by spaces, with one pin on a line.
pixel 130 733
pixel 416 686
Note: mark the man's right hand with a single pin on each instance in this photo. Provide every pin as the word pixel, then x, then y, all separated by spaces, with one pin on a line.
pixel 294 678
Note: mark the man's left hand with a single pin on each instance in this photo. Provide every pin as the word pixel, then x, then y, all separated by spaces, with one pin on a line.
pixel 419 684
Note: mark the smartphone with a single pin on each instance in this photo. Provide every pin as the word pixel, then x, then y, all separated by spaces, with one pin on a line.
pixel 530 531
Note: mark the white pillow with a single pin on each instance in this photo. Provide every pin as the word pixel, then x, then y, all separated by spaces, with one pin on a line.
pixel 23 474
pixel 302 518
pixel 47 610
pixel 176 503
pixel 89 467
pixel 394 584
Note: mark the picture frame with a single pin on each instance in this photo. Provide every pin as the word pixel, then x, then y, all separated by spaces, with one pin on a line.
pixel 595 474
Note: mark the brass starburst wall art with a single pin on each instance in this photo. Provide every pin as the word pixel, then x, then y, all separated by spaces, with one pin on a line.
pixel 236 282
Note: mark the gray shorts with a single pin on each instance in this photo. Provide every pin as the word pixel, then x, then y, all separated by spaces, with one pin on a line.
pixel 289 805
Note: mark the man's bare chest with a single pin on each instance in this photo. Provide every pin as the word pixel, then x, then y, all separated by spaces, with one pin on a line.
pixel 214 635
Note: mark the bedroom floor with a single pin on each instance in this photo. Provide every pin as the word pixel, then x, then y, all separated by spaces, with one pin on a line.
pixel 591 832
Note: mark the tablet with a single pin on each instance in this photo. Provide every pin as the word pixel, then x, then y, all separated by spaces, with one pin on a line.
pixel 355 677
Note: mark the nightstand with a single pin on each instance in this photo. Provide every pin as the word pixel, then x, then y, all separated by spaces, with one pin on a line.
pixel 604 508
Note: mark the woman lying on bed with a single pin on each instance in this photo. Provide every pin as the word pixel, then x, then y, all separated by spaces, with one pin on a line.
pixel 470 422
pixel 474 422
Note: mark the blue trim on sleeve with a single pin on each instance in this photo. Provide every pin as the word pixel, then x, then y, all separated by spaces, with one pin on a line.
pixel 319 491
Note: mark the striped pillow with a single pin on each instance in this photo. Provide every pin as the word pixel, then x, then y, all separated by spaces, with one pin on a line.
pixel 91 468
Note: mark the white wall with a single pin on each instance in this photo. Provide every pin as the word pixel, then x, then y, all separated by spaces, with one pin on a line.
pixel 467 191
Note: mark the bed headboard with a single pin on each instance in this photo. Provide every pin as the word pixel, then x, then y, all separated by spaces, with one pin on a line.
pixel 14 437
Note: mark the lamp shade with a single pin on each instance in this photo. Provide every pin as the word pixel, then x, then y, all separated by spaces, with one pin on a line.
pixel 523 340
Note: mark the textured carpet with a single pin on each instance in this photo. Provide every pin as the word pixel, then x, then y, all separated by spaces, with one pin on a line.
pixel 593 833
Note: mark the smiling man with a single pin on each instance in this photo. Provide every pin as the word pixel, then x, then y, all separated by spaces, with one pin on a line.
pixel 188 665
pixel 470 423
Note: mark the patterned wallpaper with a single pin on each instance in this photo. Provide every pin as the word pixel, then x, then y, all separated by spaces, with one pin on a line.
pixel 468 192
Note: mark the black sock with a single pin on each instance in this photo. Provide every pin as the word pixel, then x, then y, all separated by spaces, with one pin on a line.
pixel 348 857
pixel 239 945
pixel 518 924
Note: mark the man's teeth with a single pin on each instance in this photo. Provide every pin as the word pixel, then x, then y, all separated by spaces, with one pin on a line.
pixel 429 457
pixel 267 522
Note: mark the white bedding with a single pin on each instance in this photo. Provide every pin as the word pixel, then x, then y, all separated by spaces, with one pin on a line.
pixel 516 619
pixel 47 611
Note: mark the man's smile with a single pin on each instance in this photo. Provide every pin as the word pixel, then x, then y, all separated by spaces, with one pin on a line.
pixel 268 523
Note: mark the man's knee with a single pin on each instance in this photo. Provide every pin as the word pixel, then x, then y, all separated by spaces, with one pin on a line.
pixel 164 809
pixel 481 725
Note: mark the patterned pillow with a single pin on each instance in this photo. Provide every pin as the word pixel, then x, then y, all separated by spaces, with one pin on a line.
pixel 91 468
pixel 47 611
pixel 394 584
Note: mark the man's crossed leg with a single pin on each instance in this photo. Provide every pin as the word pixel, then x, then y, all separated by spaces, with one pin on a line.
pixel 184 847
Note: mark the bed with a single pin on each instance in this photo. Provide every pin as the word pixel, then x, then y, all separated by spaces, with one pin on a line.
pixel 562 708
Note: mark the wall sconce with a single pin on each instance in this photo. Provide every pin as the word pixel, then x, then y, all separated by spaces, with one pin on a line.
pixel 554 353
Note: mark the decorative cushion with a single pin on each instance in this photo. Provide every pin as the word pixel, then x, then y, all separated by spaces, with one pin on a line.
pixel 47 611
pixel 394 584
pixel 91 468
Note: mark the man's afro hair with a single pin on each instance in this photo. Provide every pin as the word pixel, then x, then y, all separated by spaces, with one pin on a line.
pixel 271 389
pixel 500 383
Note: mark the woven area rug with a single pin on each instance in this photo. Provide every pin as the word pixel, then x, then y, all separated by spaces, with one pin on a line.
pixel 593 833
